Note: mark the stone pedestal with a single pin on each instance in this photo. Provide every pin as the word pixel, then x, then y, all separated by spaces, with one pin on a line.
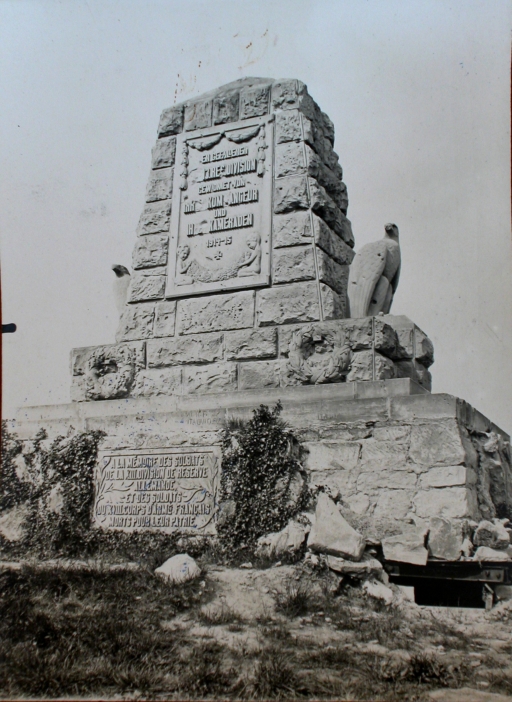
pixel 389 449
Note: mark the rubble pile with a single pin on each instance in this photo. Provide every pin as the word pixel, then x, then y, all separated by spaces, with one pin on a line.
pixel 330 539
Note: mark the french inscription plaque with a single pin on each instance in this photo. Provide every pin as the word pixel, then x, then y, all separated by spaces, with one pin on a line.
pixel 221 209
pixel 172 489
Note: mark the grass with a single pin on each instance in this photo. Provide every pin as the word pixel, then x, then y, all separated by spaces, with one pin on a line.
pixel 99 633
pixel 77 633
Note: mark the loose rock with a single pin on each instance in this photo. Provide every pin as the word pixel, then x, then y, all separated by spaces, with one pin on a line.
pixel 445 539
pixel 379 591
pixel 491 535
pixel 179 569
pixel 288 540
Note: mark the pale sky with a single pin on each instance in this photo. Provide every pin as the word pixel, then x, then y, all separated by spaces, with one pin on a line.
pixel 419 95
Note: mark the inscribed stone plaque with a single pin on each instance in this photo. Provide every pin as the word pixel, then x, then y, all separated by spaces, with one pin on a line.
pixel 171 489
pixel 221 209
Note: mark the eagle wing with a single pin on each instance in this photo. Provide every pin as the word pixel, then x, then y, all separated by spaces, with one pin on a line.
pixel 365 272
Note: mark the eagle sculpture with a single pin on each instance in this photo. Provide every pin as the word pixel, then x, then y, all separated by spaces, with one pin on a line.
pixel 373 276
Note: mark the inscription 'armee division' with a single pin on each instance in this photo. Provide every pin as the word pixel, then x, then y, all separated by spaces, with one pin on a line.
pixel 222 187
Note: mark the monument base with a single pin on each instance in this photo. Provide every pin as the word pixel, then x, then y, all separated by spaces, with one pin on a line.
pixel 389 450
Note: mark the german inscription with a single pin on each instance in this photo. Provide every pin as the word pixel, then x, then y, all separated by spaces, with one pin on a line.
pixel 221 211
pixel 166 489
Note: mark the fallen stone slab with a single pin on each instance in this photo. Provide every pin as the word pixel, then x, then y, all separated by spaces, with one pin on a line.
pixel 484 553
pixel 367 566
pixel 332 534
pixel 179 569
pixel 288 540
pixel 445 539
pixel 493 535
pixel 407 547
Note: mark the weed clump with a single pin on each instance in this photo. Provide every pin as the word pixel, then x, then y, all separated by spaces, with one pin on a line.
pixel 263 484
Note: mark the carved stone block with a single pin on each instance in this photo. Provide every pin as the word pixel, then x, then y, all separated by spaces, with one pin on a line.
pixel 315 137
pixel 107 372
pixel 297 302
pixel 254 101
pixel 424 349
pixel 385 338
pixel 151 251
pixel 331 273
pixel 332 243
pixel 290 194
pixel 447 476
pixel 218 312
pixel 325 207
pixel 293 265
pixel 292 229
pixel 171 121
pixel 198 115
pixel 205 348
pixel 288 126
pixel 414 370
pixel 334 305
pixel 217 377
pixel 155 218
pixel 367 365
pixel 450 502
pixel 289 159
pixel 151 383
pixel 361 333
pixel 80 356
pixel 317 353
pixel 147 285
pixel 226 108
pixel 160 185
pixel 251 344
pixel 258 374
pixel 136 322
pixel 165 319
pixel 164 153
pixel 289 94
pixel 441 443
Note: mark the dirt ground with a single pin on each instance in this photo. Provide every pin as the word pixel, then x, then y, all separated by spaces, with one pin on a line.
pixel 241 633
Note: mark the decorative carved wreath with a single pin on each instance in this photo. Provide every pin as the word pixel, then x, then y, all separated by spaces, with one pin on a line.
pixel 318 354
pixel 110 373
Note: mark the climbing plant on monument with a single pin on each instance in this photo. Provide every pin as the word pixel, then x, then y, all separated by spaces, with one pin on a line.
pixel 263 482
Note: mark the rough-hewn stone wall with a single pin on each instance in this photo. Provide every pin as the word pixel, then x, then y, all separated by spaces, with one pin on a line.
pixel 248 357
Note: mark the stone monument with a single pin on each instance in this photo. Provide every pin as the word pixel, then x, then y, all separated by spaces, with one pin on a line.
pixel 238 297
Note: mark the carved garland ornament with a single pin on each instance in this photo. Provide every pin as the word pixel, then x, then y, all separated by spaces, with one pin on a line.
pixel 110 373
pixel 318 354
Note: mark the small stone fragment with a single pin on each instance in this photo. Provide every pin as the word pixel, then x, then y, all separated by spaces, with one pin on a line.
pixel 179 569
pixel 379 591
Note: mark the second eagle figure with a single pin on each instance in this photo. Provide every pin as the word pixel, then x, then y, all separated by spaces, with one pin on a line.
pixel 373 276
